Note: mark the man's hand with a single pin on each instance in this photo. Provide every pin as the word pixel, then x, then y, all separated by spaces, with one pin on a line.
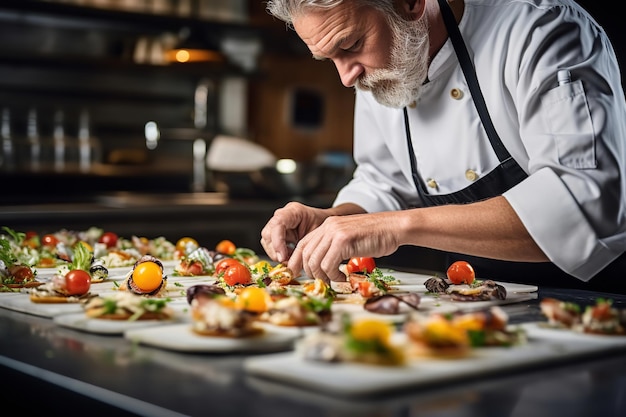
pixel 285 229
pixel 338 238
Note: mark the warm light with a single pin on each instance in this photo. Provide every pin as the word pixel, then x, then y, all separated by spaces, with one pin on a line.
pixel 193 55
pixel 286 166
pixel 182 55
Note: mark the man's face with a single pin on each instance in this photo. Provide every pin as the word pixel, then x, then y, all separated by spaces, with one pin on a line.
pixel 386 55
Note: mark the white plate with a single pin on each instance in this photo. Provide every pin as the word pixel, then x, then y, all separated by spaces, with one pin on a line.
pixel 180 337
pixel 353 379
pixel 540 330
pixel 426 305
pixel 79 321
pixel 23 304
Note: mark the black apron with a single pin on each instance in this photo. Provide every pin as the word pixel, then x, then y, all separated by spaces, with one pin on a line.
pixel 505 176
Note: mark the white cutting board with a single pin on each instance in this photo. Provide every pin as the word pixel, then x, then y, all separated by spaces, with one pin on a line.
pixel 351 379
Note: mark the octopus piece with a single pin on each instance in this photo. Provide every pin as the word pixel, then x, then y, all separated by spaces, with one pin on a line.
pixel 436 285
pixel 487 290
pixel 201 290
pixel 390 303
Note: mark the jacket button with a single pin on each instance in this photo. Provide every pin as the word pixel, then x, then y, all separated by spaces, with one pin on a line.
pixel 432 184
pixel 471 175
pixel 456 94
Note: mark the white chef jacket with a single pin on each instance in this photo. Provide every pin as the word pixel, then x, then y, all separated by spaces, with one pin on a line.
pixel 570 139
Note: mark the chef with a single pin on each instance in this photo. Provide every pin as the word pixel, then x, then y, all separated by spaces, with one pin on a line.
pixel 491 130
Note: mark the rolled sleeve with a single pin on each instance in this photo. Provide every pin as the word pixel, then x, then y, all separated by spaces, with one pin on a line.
pixel 552 217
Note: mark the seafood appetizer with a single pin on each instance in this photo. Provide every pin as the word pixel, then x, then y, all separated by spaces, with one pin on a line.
pixel 146 277
pixel 478 290
pixel 72 281
pixel 213 313
pixel 345 339
pixel 14 274
pixel 71 287
pixel 600 318
pixel 81 258
pixel 128 306
pixel 364 279
pixel 461 285
pixel 200 261
pixel 294 307
pixel 454 335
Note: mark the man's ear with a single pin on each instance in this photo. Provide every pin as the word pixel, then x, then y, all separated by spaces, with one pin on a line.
pixel 413 8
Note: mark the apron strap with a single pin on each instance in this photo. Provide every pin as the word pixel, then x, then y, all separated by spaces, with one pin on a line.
pixel 472 80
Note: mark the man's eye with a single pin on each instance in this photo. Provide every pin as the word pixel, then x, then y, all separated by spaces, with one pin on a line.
pixel 355 46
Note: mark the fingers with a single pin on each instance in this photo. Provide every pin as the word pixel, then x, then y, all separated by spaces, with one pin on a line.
pixel 318 257
pixel 279 235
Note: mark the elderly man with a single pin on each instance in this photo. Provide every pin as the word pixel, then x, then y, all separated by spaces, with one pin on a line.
pixel 492 130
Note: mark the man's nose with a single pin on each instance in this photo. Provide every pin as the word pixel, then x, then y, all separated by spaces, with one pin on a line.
pixel 349 71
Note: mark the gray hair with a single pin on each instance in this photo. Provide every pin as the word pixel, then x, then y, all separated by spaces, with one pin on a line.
pixel 287 10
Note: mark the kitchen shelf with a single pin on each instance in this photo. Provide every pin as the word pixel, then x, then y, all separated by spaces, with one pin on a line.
pixel 89 17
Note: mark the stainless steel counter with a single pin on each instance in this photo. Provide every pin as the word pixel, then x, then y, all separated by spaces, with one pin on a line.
pixel 51 370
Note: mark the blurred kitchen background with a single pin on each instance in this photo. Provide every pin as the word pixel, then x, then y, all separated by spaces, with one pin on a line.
pixel 131 95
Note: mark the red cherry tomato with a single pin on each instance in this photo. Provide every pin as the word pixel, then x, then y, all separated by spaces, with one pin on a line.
pixel 109 239
pixel 77 282
pixel 226 247
pixel 461 272
pixel 237 274
pixel 49 240
pixel 21 273
pixel 30 234
pixel 223 264
pixel 360 265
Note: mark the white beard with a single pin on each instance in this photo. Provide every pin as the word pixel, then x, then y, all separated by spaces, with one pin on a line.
pixel 401 83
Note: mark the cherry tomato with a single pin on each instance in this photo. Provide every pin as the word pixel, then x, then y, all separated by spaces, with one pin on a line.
pixel 461 272
pixel 226 246
pixel 30 234
pixel 77 282
pixel 253 299
pixel 186 244
pixel 21 273
pixel 372 330
pixel 360 265
pixel 223 264
pixel 31 240
pixel 261 267
pixel 148 276
pixel 109 239
pixel 46 262
pixel 237 274
pixel 49 240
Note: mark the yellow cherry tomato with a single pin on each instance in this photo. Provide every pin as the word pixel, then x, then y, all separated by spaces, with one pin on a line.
pixel 371 330
pixel 148 276
pixel 253 299
pixel 261 267
pixel 186 245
